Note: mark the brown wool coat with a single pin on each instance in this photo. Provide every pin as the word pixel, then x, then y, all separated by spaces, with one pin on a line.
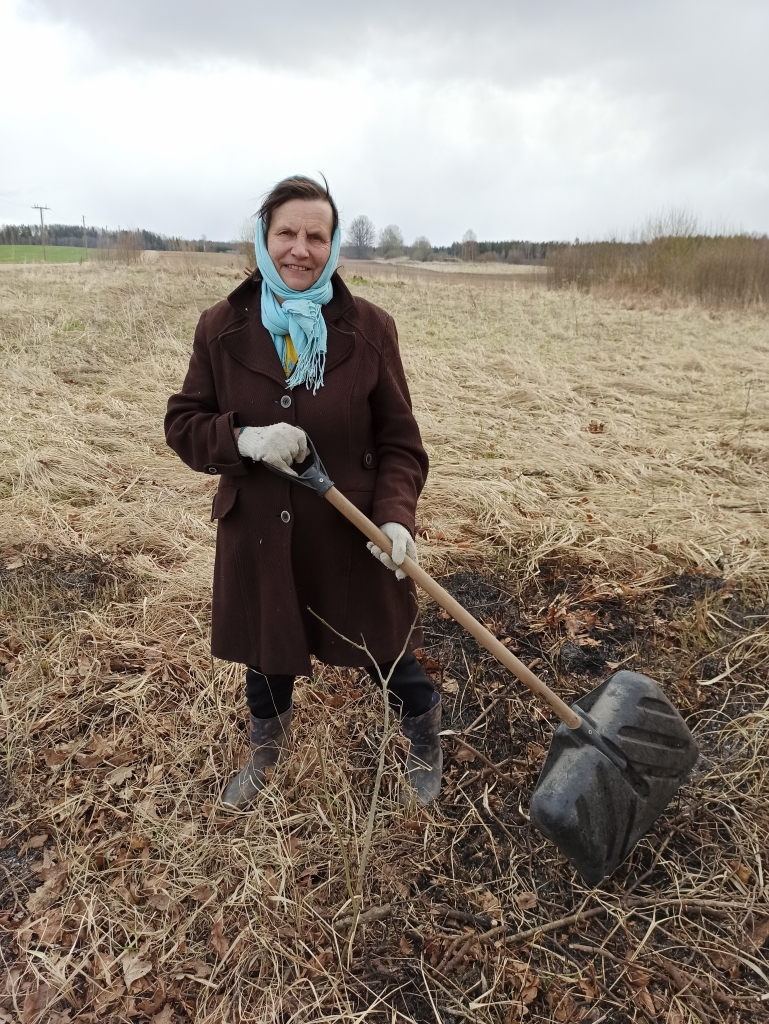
pixel 279 547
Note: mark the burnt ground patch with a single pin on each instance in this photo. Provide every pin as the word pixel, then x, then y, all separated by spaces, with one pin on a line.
pixel 575 631
pixel 54 585
pixel 682 918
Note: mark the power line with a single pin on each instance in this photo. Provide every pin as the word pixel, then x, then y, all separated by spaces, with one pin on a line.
pixel 9 199
pixel 35 206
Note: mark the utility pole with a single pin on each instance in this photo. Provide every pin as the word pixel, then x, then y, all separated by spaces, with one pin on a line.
pixel 42 226
pixel 85 239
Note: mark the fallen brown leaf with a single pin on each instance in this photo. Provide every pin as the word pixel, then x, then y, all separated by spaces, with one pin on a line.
pixel 725 962
pixel 202 893
pixel 449 685
pixel 526 900
pixel 588 985
pixel 760 931
pixel 159 900
pixel 529 992
pixel 742 871
pixel 216 939
pixel 134 968
pixel 462 755
pixel 36 1002
pixel 50 928
pixel 36 842
pixel 199 968
pixel 638 977
pixel 490 903
pixel 644 1001
pixel 46 894
pixel 414 825
pixel 107 997
pixel 534 752
pixel 119 776
pixel 54 757
pixel 561 1005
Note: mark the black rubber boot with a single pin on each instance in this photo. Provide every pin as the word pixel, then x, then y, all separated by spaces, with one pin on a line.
pixel 424 762
pixel 269 738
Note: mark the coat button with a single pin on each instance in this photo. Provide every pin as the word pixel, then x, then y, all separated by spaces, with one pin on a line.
pixel 212 469
pixel 286 401
pixel 285 516
pixel 368 460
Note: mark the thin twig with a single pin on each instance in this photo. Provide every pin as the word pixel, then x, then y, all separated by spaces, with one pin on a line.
pixel 481 757
pixel 365 916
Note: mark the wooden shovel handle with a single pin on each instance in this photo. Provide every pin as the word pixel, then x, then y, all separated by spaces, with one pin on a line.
pixel 455 610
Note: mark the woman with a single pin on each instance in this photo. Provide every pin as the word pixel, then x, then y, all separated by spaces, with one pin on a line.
pixel 289 351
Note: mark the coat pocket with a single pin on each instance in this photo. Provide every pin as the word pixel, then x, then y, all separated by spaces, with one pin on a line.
pixel 223 502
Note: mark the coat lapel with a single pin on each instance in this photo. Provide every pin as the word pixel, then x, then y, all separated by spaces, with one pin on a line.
pixel 341 345
pixel 251 344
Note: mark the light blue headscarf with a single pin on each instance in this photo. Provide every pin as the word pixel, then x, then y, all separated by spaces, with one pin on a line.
pixel 300 315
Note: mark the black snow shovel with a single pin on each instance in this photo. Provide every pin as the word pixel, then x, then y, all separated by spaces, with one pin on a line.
pixel 616 760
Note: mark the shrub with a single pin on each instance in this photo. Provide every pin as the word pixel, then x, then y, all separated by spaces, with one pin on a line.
pixel 715 269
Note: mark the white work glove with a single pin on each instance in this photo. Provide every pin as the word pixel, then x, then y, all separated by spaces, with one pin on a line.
pixel 278 445
pixel 403 544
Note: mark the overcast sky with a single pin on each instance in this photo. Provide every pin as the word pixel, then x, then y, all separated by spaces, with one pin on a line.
pixel 516 119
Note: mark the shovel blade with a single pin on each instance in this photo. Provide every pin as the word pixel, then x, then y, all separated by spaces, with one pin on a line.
pixel 595 811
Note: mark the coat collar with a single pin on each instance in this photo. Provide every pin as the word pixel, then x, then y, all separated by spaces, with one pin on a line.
pixel 251 344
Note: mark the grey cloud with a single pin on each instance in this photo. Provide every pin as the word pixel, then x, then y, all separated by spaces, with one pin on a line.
pixel 703 60
pixel 496 39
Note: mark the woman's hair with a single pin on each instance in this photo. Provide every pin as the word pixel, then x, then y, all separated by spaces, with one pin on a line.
pixel 297 187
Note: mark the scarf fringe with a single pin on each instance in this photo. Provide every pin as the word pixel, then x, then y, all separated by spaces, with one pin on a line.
pixel 308 370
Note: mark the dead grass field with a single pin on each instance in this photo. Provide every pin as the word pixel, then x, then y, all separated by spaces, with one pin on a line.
pixel 598 495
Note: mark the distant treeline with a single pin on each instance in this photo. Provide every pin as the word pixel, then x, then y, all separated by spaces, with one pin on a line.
pixel 105 238
pixel 364 242
pixel 514 251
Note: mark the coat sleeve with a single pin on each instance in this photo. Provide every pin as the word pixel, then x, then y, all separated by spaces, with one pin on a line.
pixel 197 430
pixel 403 462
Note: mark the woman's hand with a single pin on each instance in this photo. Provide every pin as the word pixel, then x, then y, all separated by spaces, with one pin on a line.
pixel 403 544
pixel 278 445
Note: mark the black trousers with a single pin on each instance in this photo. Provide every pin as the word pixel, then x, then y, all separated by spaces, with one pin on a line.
pixel 409 690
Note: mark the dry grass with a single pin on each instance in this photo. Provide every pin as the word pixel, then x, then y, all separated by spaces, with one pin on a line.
pixel 722 270
pixel 480 270
pixel 599 485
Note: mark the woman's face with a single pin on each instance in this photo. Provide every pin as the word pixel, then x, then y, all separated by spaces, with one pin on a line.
pixel 299 241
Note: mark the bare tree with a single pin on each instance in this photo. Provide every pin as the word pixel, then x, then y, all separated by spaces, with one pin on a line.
pixel 421 249
pixel 360 237
pixel 246 246
pixel 390 241
pixel 677 222
pixel 470 249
